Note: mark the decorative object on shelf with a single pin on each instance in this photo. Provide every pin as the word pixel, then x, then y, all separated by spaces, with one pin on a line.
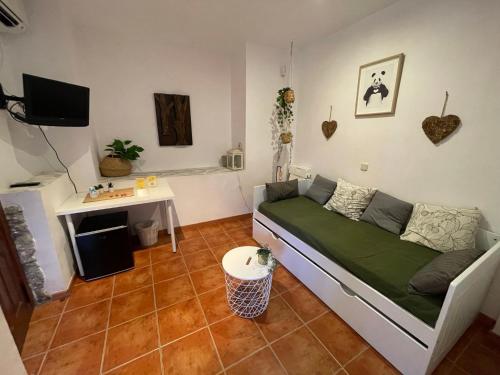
pixel 99 188
pixel 115 194
pixel 117 163
pixel 173 119
pixel 151 181
pixel 93 193
pixel 140 183
pixel 329 127
pixel 111 187
pixel 378 86
pixel 234 159
pixel 439 128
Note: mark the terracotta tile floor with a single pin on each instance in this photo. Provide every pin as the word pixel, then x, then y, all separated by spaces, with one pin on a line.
pixel 170 316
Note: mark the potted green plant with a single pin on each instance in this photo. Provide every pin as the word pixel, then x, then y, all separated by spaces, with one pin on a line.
pixel 265 257
pixel 284 113
pixel 117 163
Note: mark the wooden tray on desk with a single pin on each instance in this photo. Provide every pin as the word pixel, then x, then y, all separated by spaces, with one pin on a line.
pixel 118 193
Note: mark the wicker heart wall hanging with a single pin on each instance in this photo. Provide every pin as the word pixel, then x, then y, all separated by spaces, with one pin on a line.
pixel 329 127
pixel 439 128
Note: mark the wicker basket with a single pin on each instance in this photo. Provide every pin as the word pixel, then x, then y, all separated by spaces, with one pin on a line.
pixel 286 137
pixel 289 96
pixel 115 167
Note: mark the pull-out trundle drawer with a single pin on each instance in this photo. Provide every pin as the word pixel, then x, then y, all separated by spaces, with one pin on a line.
pixel 400 348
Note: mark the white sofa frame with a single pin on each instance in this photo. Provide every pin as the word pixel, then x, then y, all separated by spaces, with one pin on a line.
pixel 411 345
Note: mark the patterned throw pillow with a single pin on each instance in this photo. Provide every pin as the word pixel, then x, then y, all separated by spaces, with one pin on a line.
pixel 350 200
pixel 443 228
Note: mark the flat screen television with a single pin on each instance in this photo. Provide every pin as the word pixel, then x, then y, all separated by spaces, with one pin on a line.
pixel 54 103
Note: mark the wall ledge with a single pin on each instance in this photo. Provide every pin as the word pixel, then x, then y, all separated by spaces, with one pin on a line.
pixel 172 173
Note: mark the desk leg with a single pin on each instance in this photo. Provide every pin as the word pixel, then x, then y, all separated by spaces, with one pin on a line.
pixel 171 227
pixel 71 230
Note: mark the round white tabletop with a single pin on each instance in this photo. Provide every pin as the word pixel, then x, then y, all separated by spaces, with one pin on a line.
pixel 242 263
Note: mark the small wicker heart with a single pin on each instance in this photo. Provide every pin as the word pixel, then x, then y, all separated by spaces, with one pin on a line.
pixel 328 128
pixel 439 128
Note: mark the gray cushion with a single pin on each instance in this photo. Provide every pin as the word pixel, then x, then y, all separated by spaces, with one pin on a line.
pixel 282 190
pixel 387 212
pixel 321 189
pixel 436 276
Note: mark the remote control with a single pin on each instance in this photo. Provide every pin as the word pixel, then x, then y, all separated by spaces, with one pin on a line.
pixel 24 184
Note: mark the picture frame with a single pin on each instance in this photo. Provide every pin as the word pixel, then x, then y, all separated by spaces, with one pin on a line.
pixel 378 87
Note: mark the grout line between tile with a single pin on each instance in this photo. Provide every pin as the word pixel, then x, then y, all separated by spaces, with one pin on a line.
pixel 183 337
pixel 53 336
pixel 356 356
pixel 87 305
pixel 270 347
pixel 311 331
pixel 129 361
pixel 107 326
pixel 204 316
pixel 157 319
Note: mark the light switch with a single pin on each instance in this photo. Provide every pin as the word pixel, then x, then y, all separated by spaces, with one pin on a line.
pixel 364 166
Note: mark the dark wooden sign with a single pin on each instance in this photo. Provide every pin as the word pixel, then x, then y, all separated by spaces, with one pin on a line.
pixel 173 118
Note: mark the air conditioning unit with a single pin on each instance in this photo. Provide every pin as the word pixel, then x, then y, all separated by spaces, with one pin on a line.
pixel 12 16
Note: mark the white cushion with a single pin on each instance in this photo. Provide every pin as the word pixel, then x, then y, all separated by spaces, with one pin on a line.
pixel 443 228
pixel 350 200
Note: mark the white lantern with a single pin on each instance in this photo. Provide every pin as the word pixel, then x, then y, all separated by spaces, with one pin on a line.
pixel 234 159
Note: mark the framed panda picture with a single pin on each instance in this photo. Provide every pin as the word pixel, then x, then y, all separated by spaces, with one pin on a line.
pixel 378 86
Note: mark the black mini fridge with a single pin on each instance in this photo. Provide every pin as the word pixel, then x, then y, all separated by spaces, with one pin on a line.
pixel 104 245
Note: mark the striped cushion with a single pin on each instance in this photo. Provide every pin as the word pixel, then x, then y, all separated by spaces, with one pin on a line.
pixel 350 200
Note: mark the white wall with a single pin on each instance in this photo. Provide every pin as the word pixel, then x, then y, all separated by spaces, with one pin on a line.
pixel 263 80
pixel 238 97
pixel 124 69
pixel 45 49
pixel 449 45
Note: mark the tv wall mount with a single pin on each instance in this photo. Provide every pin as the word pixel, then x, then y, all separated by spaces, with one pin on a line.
pixel 4 104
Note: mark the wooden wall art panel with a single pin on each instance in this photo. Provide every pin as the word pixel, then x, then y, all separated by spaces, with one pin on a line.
pixel 173 118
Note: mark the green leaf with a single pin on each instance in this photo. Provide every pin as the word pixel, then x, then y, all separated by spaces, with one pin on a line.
pixel 118 147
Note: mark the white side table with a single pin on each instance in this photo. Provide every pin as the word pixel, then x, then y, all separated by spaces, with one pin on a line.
pixel 248 283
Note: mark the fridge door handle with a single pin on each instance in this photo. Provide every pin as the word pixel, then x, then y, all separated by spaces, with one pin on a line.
pixel 100 231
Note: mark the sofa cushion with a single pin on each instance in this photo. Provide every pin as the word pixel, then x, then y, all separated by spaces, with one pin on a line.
pixel 350 200
pixel 387 212
pixel 436 276
pixel 276 191
pixel 443 228
pixel 321 189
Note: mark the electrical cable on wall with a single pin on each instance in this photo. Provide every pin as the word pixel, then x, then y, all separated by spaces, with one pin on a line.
pixel 59 159
pixel 17 116
pixel 241 192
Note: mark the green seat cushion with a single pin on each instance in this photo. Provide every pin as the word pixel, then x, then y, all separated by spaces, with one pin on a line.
pixel 372 254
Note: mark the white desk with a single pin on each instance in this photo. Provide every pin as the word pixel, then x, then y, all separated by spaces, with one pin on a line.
pixel 74 205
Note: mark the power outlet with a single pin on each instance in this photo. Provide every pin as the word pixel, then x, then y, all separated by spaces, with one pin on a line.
pixel 364 166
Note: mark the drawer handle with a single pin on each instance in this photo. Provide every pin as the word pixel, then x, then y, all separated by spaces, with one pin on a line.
pixel 275 237
pixel 348 290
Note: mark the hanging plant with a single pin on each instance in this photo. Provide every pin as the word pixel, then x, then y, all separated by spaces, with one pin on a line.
pixel 284 113
pixel 284 108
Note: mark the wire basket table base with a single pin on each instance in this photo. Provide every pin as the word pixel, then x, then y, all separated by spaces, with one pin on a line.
pixel 248 298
